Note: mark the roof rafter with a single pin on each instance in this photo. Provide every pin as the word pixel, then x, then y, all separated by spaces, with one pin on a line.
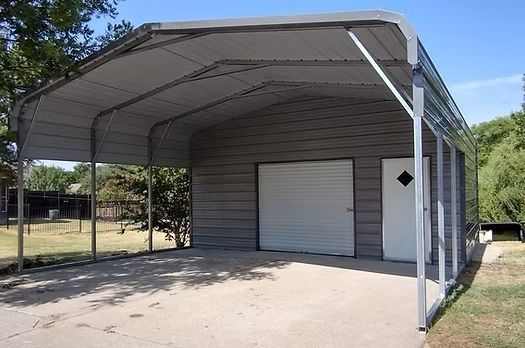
pixel 194 76
pixel 311 62
pixel 246 65
pixel 209 105
pixel 247 93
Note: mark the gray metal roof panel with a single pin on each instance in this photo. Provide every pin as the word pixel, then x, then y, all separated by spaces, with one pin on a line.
pixel 161 71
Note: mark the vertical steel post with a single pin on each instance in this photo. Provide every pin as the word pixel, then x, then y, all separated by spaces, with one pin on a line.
pixel 441 215
pixel 453 210
pixel 150 196
pixel 93 196
pixel 419 109
pixel 20 217
pixel 416 112
pixel 20 178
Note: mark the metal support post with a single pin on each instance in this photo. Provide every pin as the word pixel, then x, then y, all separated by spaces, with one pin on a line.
pixel 416 112
pixel 20 179
pixel 441 216
pixel 20 203
pixel 453 210
pixel 150 196
pixel 93 197
pixel 418 105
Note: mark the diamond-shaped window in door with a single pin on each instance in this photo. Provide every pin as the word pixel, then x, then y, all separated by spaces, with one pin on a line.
pixel 405 178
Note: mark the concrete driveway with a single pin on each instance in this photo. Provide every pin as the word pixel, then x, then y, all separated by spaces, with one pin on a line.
pixel 203 298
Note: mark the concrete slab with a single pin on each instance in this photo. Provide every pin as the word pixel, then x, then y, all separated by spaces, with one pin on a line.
pixel 17 322
pixel 195 298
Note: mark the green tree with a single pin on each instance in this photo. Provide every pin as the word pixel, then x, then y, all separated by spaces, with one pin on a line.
pixel 44 178
pixel 502 183
pixel 489 135
pixel 501 163
pixel 523 88
pixel 113 32
pixel 40 39
pixel 109 182
pixel 80 172
pixel 171 199
pixel 518 128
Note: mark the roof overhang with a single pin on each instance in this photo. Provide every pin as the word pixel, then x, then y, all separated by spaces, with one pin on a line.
pixel 144 96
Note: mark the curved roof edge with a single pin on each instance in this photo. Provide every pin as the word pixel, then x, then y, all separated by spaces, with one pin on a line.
pixel 289 21
pixel 147 30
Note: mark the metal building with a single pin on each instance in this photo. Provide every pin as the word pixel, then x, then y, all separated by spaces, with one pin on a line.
pixel 329 133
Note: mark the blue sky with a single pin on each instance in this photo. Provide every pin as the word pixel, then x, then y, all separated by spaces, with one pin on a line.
pixel 477 46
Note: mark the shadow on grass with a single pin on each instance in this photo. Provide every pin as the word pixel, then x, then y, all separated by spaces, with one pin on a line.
pixel 43 260
pixel 462 285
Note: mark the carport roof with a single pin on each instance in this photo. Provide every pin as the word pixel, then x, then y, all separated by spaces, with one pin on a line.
pixel 143 96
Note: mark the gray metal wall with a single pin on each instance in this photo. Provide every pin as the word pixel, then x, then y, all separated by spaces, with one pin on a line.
pixel 224 160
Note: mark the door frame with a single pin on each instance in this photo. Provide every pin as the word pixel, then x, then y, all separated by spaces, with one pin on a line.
pixel 257 232
pixel 429 255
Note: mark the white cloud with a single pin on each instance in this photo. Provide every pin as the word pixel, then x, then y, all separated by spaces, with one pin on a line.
pixel 483 100
pixel 497 81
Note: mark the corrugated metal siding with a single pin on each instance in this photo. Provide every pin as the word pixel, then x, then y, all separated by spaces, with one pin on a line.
pixel 303 207
pixel 224 161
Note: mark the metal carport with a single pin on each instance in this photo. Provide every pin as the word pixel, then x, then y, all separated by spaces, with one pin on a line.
pixel 140 100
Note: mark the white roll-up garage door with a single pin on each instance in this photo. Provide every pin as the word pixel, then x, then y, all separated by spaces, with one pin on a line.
pixel 307 207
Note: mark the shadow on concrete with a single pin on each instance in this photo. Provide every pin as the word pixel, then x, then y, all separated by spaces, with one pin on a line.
pixel 404 269
pixel 116 280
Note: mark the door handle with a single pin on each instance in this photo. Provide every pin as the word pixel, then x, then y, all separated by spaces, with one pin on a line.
pixel 349 210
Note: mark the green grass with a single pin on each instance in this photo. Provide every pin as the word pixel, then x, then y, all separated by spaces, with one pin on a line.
pixel 52 244
pixel 487 307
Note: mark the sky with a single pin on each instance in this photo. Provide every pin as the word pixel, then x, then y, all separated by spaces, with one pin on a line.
pixel 477 46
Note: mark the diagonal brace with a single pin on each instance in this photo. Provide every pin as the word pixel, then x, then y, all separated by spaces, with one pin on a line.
pixel 381 73
pixel 194 76
pixel 31 126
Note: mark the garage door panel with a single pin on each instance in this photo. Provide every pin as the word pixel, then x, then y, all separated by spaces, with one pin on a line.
pixel 307 207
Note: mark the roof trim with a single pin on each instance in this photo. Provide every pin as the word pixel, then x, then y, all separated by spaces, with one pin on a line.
pixel 291 21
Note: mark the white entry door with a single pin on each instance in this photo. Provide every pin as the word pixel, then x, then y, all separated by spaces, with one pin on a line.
pixel 399 209
pixel 307 207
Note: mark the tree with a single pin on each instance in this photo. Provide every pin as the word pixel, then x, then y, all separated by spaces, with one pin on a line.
pixel 518 128
pixel 109 184
pixel 44 178
pixel 80 172
pixel 489 134
pixel 40 39
pixel 501 162
pixel 171 200
pixel 114 32
pixel 523 88
pixel 502 183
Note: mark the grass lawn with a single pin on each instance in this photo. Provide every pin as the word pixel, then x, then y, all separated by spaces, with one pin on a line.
pixel 52 244
pixel 487 308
